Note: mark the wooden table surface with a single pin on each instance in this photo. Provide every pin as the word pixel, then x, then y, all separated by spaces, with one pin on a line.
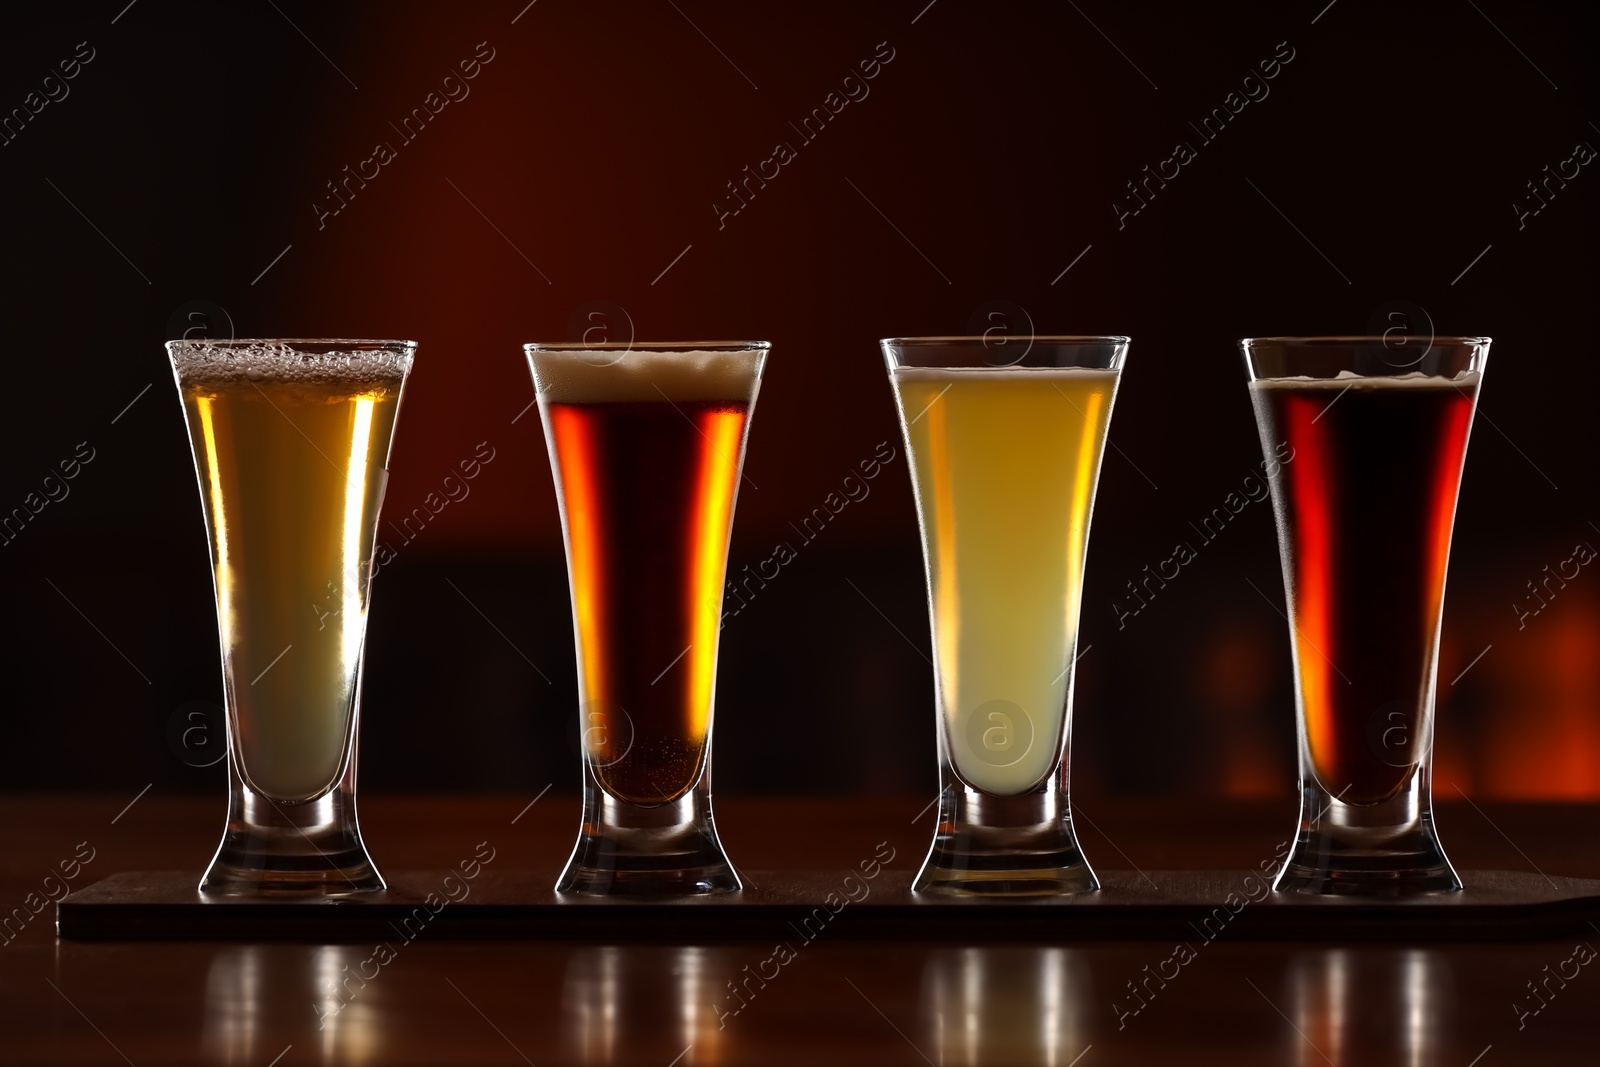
pixel 525 1002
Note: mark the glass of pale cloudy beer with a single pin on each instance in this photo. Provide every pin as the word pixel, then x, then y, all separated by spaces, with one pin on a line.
pixel 647 447
pixel 1365 438
pixel 291 445
pixel 1005 437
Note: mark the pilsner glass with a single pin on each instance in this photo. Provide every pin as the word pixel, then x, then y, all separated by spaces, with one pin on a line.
pixel 1364 439
pixel 291 445
pixel 1006 454
pixel 647 447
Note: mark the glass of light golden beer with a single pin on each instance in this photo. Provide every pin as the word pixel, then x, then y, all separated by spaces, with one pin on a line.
pixel 1005 438
pixel 1365 438
pixel 647 446
pixel 291 446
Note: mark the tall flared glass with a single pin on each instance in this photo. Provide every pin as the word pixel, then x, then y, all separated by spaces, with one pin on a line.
pixel 1364 439
pixel 1005 441
pixel 291 446
pixel 647 447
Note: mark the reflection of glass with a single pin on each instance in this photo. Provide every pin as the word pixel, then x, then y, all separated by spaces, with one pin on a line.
pixel 1364 439
pixel 1005 462
pixel 1005 1005
pixel 1333 992
pixel 647 1004
pixel 291 443
pixel 245 1003
pixel 647 444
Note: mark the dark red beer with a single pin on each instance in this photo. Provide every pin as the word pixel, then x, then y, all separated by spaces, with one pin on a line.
pixel 647 490
pixel 1365 499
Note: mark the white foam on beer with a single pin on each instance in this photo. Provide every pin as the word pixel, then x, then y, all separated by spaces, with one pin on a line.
pixel 591 376
pixel 281 362
pixel 1350 380
pixel 998 374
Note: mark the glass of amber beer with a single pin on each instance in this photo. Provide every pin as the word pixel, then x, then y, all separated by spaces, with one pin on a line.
pixel 1005 438
pixel 1365 438
pixel 647 446
pixel 291 445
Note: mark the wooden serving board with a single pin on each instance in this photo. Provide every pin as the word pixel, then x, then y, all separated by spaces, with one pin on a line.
pixel 1166 905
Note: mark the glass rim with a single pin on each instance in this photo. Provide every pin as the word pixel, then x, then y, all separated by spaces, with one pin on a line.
pixel 291 342
pixel 1034 338
pixel 648 346
pixel 1364 339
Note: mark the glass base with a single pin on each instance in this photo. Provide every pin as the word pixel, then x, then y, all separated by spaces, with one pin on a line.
pixel 1386 849
pixel 311 848
pixel 656 850
pixel 1020 846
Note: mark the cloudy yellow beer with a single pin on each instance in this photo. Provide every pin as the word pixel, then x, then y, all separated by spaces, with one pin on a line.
pixel 291 457
pixel 1005 465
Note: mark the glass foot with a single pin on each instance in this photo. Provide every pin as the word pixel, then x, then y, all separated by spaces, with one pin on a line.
pixel 1022 846
pixel 312 848
pixel 656 850
pixel 1386 849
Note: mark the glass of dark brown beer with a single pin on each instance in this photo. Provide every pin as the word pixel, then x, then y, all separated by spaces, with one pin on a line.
pixel 1364 440
pixel 291 446
pixel 647 446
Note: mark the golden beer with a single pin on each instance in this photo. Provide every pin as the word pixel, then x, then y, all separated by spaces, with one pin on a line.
pixel 1005 466
pixel 291 458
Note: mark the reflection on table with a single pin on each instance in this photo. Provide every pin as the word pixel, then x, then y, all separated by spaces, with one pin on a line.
pixel 617 1000
pixel 246 1012
pixel 1005 1005
pixel 1405 996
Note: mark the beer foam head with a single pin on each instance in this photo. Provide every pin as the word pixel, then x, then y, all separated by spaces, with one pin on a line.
pixel 601 375
pixel 1351 380
pixel 337 363
pixel 1000 374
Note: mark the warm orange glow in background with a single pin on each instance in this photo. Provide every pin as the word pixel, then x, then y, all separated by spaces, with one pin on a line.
pixel 520 203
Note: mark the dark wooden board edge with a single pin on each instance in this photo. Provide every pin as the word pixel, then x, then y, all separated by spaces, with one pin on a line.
pixel 1158 905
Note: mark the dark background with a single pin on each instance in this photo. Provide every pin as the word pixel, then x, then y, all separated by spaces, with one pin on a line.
pixel 184 163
